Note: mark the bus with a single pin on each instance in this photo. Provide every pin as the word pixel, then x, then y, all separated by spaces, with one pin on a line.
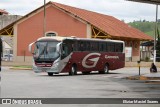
pixel 56 55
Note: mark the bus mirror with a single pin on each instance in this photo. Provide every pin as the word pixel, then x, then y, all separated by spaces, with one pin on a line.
pixel 58 48
pixel 31 50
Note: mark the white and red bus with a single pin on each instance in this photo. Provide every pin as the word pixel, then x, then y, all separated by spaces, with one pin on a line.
pixel 69 54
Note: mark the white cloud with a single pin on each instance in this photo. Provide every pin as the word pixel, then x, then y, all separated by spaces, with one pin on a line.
pixel 120 9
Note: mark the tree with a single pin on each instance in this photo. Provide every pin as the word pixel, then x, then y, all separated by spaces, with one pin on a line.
pixel 158 47
pixel 144 20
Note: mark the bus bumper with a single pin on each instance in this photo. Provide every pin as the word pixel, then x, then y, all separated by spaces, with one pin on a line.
pixel 52 69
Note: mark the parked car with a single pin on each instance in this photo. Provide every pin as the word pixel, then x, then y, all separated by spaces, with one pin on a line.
pixel 7 57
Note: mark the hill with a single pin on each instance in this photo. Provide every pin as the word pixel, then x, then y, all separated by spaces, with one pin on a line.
pixel 145 26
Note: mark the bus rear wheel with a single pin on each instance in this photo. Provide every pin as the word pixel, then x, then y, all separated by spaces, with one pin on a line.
pixel 50 74
pixel 73 70
pixel 105 70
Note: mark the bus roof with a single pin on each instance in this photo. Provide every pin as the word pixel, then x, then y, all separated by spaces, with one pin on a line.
pixel 58 38
pixel 96 39
pixel 61 38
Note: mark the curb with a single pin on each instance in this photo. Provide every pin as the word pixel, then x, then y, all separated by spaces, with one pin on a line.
pixel 152 81
pixel 155 80
pixel 137 77
pixel 15 68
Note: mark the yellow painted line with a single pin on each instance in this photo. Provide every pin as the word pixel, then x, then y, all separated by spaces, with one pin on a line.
pixel 16 68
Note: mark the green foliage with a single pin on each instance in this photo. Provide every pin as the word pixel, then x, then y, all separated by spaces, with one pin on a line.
pixel 148 28
pixel 145 26
pixel 158 47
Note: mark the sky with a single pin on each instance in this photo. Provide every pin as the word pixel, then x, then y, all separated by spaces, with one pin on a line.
pixel 120 9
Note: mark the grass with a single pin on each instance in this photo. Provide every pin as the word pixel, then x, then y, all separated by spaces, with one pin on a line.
pixel 151 33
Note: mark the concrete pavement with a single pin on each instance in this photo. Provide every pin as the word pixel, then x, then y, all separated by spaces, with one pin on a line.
pixel 27 84
pixel 148 76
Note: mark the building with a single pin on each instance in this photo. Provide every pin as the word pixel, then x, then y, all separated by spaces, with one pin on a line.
pixel 3 12
pixel 7 49
pixel 6 19
pixel 63 20
pixel 7 45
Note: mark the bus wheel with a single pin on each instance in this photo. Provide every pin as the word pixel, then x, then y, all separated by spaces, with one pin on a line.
pixel 106 70
pixel 73 70
pixel 50 74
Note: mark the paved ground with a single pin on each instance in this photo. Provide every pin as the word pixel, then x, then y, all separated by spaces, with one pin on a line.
pixel 27 84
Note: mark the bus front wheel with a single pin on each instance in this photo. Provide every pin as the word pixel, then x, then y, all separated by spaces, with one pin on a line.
pixel 50 74
pixel 73 70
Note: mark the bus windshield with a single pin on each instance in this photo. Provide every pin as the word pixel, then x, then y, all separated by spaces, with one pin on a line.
pixel 46 50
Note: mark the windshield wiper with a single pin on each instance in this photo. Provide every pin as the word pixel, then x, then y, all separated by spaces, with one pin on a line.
pixel 43 51
pixel 47 52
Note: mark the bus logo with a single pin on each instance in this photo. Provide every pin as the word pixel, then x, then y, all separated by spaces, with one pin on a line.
pixel 111 57
pixel 94 60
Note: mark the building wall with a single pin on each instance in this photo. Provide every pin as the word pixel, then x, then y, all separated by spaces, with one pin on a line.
pixel 6 48
pixel 135 44
pixel 7 19
pixel 56 20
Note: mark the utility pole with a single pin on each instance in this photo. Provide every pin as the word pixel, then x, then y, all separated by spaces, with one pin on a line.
pixel 44 20
pixel 1 50
pixel 154 59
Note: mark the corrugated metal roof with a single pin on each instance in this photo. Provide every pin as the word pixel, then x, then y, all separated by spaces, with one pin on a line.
pixel 108 24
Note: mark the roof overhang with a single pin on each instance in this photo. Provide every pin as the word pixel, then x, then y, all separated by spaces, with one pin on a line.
pixel 147 1
pixel 8 30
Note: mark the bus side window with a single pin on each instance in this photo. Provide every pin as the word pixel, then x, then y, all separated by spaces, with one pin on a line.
pixel 96 46
pixel 121 47
pixel 64 50
pixel 84 46
pixel 87 46
pixel 73 47
pixel 107 47
pixel 81 46
pixel 110 47
pixel 118 47
pixel 67 48
pixel 102 47
pixel 92 46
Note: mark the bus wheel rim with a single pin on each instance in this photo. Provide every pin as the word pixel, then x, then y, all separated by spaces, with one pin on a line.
pixel 106 69
pixel 73 69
